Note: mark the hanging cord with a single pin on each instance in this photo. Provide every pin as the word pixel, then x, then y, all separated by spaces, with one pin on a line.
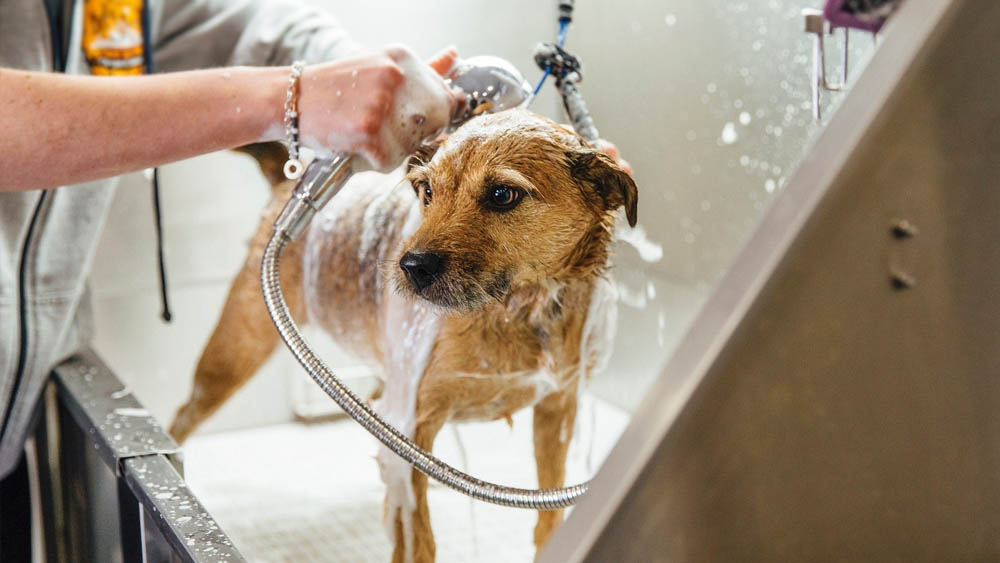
pixel 166 315
pixel 147 59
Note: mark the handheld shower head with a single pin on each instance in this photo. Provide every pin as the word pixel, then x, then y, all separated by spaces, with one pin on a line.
pixel 490 84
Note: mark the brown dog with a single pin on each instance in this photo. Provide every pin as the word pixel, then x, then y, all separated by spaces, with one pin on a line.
pixel 484 294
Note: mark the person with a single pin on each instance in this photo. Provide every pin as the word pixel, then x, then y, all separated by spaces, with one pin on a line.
pixel 222 73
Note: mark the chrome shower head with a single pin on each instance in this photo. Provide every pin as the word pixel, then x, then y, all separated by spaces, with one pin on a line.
pixel 491 84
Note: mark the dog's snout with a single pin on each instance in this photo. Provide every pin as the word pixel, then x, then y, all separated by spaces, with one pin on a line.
pixel 422 268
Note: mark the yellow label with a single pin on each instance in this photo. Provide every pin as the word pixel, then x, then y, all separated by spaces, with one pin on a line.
pixel 112 36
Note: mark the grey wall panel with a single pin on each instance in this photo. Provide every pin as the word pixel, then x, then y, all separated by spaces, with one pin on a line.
pixel 845 418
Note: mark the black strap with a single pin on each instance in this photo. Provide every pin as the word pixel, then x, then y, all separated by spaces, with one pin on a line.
pixel 147 54
pixel 166 315
pixel 55 10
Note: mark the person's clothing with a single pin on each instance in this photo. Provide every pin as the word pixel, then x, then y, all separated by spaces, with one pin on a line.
pixel 15 514
pixel 48 238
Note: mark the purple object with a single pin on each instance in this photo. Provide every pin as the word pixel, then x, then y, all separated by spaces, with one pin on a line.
pixel 868 15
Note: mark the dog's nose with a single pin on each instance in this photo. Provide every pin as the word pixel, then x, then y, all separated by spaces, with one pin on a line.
pixel 422 268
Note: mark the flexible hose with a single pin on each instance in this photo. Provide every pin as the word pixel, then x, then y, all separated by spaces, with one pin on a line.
pixel 544 499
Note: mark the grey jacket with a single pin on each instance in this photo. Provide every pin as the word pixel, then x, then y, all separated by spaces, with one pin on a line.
pixel 47 239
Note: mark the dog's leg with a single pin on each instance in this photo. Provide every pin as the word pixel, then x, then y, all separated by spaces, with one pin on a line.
pixel 423 548
pixel 553 427
pixel 243 339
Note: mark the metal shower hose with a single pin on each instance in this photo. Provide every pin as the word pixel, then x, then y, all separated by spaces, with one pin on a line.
pixel 425 462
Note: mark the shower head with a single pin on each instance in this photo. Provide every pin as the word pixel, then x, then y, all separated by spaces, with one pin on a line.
pixel 491 84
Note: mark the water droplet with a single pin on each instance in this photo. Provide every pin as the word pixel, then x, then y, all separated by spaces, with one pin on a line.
pixel 745 118
pixel 338 93
pixel 769 185
pixel 729 135
pixel 670 19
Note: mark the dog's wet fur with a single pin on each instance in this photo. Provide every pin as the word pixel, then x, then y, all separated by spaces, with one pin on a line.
pixel 514 235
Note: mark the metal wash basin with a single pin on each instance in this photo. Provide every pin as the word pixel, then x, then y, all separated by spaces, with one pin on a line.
pixel 837 399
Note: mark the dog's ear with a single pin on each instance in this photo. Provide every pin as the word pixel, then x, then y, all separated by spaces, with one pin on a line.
pixel 423 155
pixel 614 186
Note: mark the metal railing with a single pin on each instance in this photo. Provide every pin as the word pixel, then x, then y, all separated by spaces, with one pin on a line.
pixel 110 478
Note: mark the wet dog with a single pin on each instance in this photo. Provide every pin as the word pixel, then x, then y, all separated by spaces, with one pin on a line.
pixel 478 282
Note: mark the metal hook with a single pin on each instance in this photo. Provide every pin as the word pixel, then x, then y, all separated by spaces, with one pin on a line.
pixel 818 25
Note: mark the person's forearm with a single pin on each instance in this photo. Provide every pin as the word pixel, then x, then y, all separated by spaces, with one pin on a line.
pixel 57 129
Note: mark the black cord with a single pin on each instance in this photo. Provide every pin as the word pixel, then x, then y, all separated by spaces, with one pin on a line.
pixel 147 55
pixel 166 315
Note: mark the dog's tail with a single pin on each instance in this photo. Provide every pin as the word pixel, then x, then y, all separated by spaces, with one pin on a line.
pixel 271 158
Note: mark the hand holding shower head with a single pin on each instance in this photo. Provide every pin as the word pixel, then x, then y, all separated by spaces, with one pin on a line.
pixel 490 84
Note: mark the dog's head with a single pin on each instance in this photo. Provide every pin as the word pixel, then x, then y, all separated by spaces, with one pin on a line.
pixel 509 199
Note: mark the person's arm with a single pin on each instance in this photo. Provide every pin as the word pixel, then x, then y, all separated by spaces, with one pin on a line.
pixel 57 130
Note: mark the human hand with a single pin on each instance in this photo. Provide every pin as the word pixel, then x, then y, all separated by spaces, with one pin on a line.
pixel 379 106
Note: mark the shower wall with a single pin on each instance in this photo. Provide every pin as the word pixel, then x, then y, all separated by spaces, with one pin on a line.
pixel 709 101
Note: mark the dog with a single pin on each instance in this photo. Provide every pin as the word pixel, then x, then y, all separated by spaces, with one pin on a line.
pixel 481 291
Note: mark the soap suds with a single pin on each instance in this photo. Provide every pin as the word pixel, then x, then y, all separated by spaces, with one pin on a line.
pixel 636 237
pixel 421 95
pixel 413 328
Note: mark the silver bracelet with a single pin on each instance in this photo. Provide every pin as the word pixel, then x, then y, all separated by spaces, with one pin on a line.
pixel 293 167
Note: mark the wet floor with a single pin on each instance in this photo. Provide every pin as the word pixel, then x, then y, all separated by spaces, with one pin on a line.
pixel 312 493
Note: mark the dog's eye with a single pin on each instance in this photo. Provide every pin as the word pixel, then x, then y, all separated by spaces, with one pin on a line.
pixel 425 193
pixel 504 197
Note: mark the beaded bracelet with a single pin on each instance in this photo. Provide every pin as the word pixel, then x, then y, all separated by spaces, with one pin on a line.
pixel 293 167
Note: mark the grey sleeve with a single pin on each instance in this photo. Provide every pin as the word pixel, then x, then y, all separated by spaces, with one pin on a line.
pixel 192 34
